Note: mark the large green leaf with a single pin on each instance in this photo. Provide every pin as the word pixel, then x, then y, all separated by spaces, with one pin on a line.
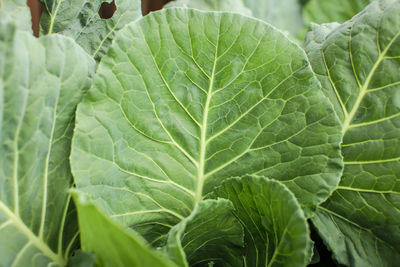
pixel 276 230
pixel 113 245
pixel 359 66
pixel 80 20
pixel 211 234
pixel 16 11
pixel 198 98
pixel 41 82
pixel 212 5
pixel 284 14
pixel 325 11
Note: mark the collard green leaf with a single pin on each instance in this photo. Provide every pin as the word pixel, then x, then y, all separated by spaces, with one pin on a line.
pixel 318 11
pixel 79 19
pixel 276 230
pixel 200 97
pixel 213 5
pixel 358 64
pixel 41 82
pixel 284 14
pixel 113 245
pixel 211 234
pixel 16 11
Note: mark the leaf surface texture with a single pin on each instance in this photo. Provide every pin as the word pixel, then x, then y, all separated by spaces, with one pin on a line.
pixel 358 65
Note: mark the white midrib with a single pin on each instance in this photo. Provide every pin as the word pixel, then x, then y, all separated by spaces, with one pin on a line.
pixel 364 88
pixel 35 240
pixel 203 141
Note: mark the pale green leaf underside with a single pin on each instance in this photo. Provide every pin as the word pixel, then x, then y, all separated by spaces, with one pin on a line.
pixel 358 64
pixel 79 19
pixel 276 230
pixel 113 245
pixel 16 11
pixel 326 11
pixel 236 6
pixel 211 234
pixel 186 99
pixel 284 14
pixel 41 83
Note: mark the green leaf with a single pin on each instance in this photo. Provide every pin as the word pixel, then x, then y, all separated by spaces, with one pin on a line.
pixel 211 234
pixel 276 230
pixel 113 245
pixel 212 5
pixel 200 97
pixel 358 64
pixel 79 19
pixel 283 14
pixel 41 82
pixel 318 11
pixel 16 11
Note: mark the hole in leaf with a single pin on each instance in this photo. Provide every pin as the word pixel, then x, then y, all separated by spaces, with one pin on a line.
pixel 36 9
pixel 107 10
pixel 152 5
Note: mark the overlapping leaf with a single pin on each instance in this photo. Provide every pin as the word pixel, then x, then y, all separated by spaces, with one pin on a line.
pixel 199 98
pixel 276 230
pixel 80 20
pixel 358 64
pixel 113 245
pixel 41 82
pixel 211 234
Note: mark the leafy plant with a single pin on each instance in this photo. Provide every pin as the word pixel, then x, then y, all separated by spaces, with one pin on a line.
pixel 206 138
pixel 192 103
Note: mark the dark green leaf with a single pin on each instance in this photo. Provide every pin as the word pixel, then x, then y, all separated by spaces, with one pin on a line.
pixel 276 230
pixel 211 234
